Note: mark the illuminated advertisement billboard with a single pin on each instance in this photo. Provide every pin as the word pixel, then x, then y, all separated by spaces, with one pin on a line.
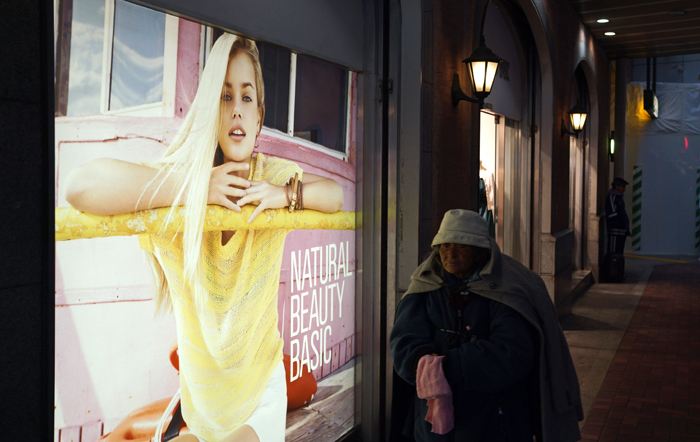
pixel 163 330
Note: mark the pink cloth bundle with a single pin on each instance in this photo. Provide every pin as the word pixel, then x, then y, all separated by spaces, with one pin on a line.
pixel 432 385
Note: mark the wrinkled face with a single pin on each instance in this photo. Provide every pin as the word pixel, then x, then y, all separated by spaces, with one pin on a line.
pixel 458 258
pixel 240 115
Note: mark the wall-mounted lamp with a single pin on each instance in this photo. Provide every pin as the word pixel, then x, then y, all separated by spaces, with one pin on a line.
pixel 651 102
pixel 578 118
pixel 482 66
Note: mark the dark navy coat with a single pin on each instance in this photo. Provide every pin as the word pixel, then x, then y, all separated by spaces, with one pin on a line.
pixel 490 353
pixel 616 218
pixel 514 357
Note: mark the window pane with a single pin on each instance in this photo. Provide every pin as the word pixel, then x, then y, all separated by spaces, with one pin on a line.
pixel 85 76
pixel 137 60
pixel 320 109
pixel 215 34
pixel 275 67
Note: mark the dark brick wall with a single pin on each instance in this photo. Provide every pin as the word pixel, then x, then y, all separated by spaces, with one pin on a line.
pixel 26 171
pixel 449 135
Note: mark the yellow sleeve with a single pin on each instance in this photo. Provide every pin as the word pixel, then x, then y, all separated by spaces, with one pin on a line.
pixel 146 243
pixel 276 170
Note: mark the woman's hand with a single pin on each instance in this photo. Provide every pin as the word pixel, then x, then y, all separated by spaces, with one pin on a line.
pixel 226 188
pixel 268 195
pixel 322 194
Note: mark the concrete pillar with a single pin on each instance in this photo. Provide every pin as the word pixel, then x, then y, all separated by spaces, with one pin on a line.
pixel 620 115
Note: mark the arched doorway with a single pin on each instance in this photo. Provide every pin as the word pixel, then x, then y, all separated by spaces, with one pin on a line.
pixel 508 138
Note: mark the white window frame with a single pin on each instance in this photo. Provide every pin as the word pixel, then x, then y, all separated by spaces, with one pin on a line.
pixel 206 37
pixel 163 108
pixel 290 115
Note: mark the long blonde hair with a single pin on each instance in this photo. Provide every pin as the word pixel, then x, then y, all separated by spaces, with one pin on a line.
pixel 192 154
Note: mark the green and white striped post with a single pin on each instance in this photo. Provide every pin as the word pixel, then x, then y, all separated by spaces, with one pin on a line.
pixel 636 208
pixel 697 211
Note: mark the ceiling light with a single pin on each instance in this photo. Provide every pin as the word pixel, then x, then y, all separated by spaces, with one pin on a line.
pixel 603 20
pixel 609 33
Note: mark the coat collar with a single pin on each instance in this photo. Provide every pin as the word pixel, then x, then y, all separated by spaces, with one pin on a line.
pixel 426 278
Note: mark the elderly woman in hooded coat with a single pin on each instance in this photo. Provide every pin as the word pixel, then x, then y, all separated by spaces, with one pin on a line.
pixel 478 336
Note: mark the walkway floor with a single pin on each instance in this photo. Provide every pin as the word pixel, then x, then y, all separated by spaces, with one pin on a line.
pixel 636 347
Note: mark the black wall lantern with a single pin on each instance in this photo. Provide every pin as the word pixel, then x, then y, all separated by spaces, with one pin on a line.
pixel 482 66
pixel 578 119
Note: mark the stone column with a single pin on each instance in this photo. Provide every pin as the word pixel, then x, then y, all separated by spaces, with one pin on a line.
pixel 620 115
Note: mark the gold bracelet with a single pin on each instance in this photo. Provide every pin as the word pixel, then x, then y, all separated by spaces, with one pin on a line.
pixel 295 183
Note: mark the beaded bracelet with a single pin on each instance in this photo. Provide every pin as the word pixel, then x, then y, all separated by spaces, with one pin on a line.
pixel 300 202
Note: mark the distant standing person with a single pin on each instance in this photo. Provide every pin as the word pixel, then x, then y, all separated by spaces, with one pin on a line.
pixel 616 217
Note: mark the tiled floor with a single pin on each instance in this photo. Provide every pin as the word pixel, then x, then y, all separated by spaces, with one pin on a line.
pixel 636 347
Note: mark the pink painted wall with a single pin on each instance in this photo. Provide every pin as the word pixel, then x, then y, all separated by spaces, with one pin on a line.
pixel 111 353
pixel 187 66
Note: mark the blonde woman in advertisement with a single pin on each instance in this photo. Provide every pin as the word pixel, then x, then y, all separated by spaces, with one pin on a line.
pixel 221 286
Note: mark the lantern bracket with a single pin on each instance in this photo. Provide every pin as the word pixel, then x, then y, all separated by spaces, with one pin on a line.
pixel 565 131
pixel 459 95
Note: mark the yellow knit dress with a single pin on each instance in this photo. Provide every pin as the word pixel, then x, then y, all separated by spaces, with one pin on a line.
pixel 229 346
